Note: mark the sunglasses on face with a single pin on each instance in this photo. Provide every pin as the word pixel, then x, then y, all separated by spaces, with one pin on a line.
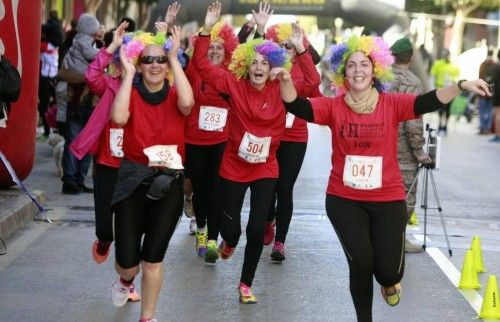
pixel 146 60
pixel 288 46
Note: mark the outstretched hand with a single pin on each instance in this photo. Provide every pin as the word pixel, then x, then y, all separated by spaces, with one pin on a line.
pixel 262 16
pixel 175 36
pixel 172 11
pixel 477 86
pixel 297 38
pixel 128 68
pixel 213 14
pixel 280 74
pixel 117 37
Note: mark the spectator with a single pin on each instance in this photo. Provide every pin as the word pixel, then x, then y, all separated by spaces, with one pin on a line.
pixel 486 103
pixel 10 88
pixel 445 73
pixel 495 79
pixel 410 133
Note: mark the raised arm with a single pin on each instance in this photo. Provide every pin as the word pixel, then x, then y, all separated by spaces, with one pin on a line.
pixel 261 18
pixel 170 17
pixel 120 109
pixel 185 100
pixel 214 76
pixel 312 79
pixel 432 100
pixel 94 76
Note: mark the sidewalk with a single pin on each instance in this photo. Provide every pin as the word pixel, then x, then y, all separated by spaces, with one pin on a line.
pixel 48 273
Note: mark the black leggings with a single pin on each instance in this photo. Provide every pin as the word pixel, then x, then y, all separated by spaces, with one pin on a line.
pixel 202 163
pixel 104 186
pixel 372 235
pixel 444 115
pixel 137 215
pixel 232 202
pixel 290 156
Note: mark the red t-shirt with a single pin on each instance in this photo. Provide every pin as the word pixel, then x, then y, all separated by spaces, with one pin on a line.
pixel 371 135
pixel 259 113
pixel 204 95
pixel 306 81
pixel 149 125
pixel 103 155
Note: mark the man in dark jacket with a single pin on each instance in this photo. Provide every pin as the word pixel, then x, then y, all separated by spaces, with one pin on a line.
pixel 10 87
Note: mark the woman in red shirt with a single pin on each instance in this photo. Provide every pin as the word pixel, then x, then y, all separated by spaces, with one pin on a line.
pixel 256 121
pixel 292 149
pixel 365 198
pixel 206 137
pixel 149 193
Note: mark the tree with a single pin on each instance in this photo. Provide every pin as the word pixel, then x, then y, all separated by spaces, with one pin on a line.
pixel 462 8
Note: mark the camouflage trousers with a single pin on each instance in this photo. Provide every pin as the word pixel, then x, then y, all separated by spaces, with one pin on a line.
pixel 408 177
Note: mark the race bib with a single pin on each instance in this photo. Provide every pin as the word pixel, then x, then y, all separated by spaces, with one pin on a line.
pixel 254 149
pixel 164 156
pixel 212 118
pixel 289 120
pixel 116 142
pixel 362 172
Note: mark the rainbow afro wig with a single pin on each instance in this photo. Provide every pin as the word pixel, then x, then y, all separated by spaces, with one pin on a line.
pixel 135 43
pixel 223 33
pixel 374 48
pixel 244 55
pixel 281 32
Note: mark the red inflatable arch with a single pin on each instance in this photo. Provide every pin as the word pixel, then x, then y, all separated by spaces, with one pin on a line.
pixel 20 25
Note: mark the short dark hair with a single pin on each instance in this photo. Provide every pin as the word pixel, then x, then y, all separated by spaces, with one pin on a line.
pixel 131 24
pixel 53 14
pixel 404 57
pixel 108 37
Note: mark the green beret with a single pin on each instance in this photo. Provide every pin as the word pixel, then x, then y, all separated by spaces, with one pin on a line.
pixel 401 46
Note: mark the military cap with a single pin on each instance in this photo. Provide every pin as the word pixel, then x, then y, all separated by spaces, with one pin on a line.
pixel 400 46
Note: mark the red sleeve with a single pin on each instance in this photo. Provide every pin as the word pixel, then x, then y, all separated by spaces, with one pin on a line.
pixel 217 77
pixel 322 110
pixel 404 105
pixel 312 79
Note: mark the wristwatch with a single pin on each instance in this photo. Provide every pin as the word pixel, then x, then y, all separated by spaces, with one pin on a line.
pixel 459 84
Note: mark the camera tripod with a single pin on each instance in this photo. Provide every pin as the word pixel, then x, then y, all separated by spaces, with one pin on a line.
pixel 427 170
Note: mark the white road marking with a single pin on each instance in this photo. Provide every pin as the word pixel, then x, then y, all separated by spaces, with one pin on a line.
pixel 472 296
pixel 420 238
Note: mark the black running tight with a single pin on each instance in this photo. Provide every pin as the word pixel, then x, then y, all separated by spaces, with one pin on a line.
pixel 137 216
pixel 202 164
pixel 372 235
pixel 104 186
pixel 232 202
pixel 290 156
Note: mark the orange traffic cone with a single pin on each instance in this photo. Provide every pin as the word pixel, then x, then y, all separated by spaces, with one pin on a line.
pixel 477 254
pixel 491 301
pixel 468 279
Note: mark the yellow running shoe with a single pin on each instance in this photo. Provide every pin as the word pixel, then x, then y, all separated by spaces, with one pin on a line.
pixel 246 295
pixel 212 253
pixel 393 298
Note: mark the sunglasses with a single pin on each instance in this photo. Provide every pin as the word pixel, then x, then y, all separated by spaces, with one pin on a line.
pixel 288 46
pixel 147 60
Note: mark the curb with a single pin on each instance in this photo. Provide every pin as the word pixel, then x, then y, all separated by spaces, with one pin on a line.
pixel 17 210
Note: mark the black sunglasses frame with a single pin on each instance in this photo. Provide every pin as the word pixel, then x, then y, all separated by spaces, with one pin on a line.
pixel 147 60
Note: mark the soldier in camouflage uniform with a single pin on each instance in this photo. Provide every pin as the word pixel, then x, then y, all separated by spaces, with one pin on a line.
pixel 410 139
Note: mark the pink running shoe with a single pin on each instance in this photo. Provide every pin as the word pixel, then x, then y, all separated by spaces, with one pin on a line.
pixel 269 232
pixel 246 295
pixel 278 254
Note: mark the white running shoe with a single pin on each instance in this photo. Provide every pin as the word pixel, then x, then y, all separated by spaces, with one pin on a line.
pixel 192 226
pixel 119 294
